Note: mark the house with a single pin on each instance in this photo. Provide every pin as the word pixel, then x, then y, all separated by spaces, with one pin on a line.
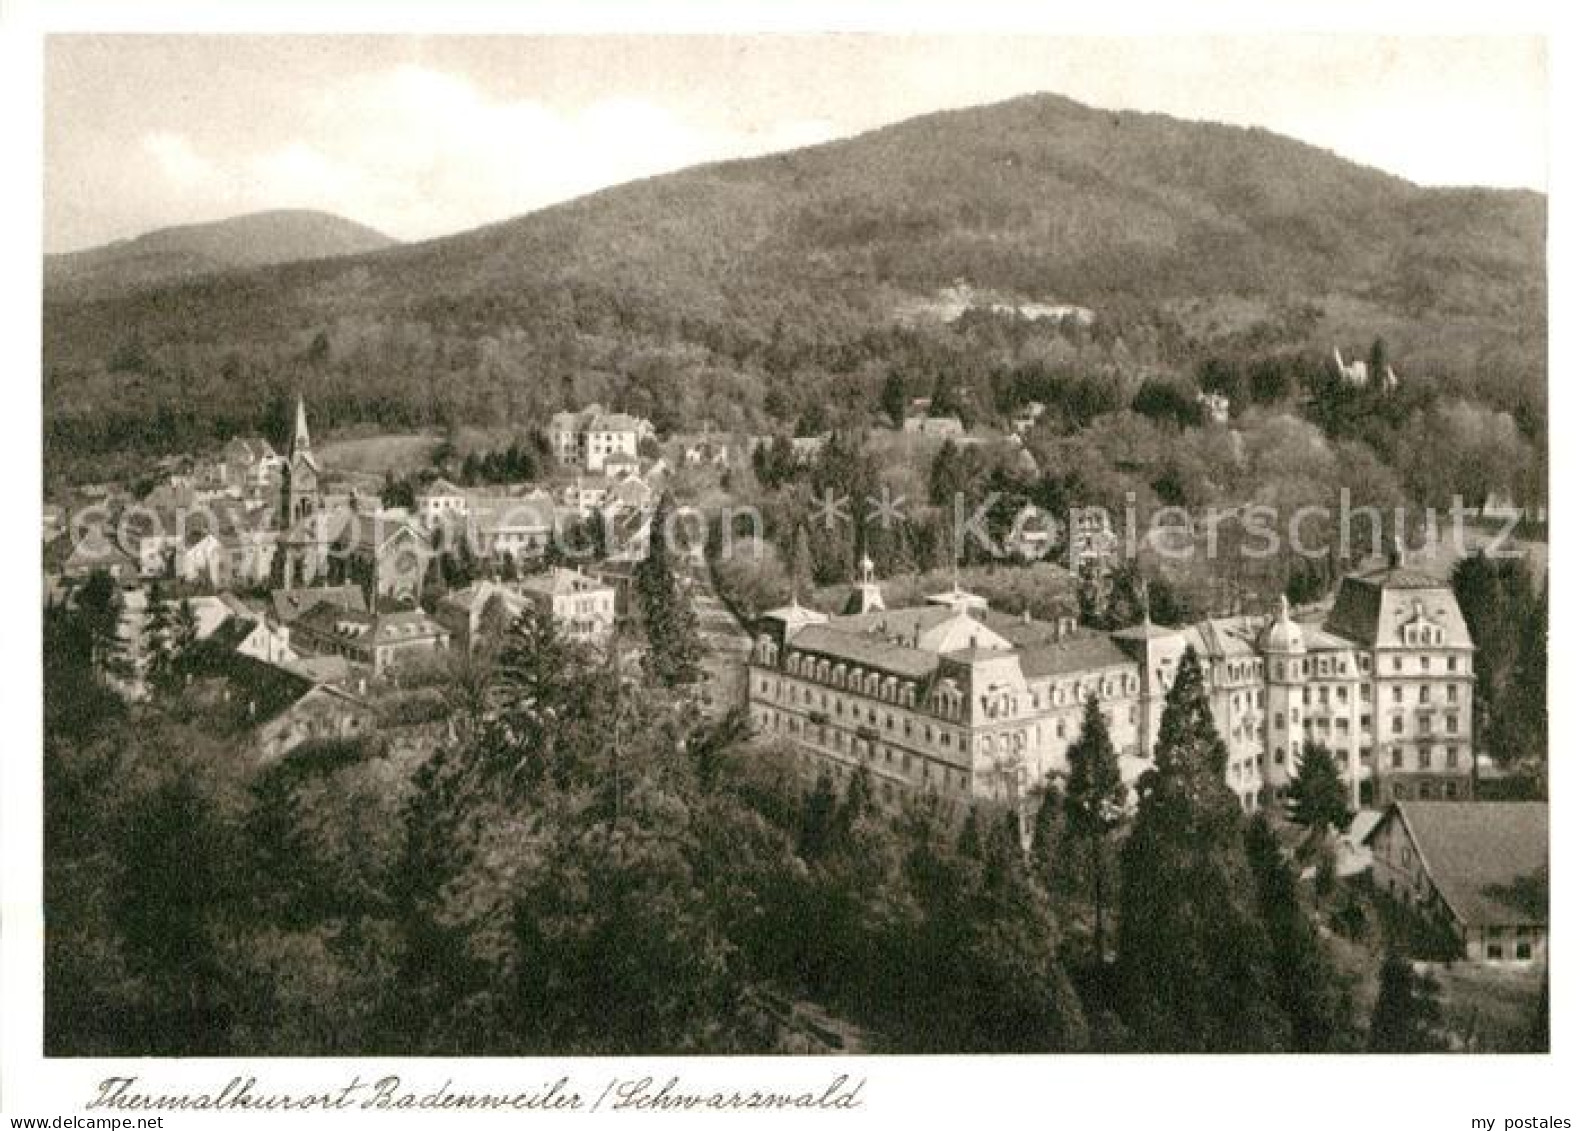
pixel 1033 534
pixel 935 427
pixel 440 501
pixel 520 526
pixel 1214 406
pixel 95 551
pixel 582 606
pixel 582 496
pixel 1478 868
pixel 377 641
pixel 1357 374
pixel 273 710
pixel 251 464
pixel 702 449
pixel 464 611
pixel 250 636
pixel 287 605
pixel 587 439
pixel 619 465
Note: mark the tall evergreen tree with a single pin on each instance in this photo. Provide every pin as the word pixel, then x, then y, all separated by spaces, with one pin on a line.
pixel 1048 835
pixel 1094 804
pixel 674 652
pixel 1407 1014
pixel 99 605
pixel 1318 799
pixel 158 641
pixel 1194 966
pixel 895 398
pixel 1306 985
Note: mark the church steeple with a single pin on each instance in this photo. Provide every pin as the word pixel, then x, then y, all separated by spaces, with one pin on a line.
pixel 300 441
pixel 301 471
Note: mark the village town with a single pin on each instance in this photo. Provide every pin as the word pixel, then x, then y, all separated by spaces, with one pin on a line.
pixel 1004 573
pixel 302 604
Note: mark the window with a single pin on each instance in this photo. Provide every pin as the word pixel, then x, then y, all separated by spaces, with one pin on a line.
pixel 1453 663
pixel 1396 755
pixel 1424 758
pixel 1398 724
pixel 1398 695
pixel 1278 721
pixel 1494 951
pixel 1426 663
pixel 1453 693
pixel 1522 950
pixel 1452 723
pixel 1398 663
pixel 1426 693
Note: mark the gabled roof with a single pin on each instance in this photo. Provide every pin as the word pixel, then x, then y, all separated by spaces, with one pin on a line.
pixel 511 512
pixel 1481 856
pixel 231 634
pixel 1372 608
pixel 559 582
pixel 478 594
pixel 290 604
pixel 441 487
pixel 869 651
pixel 369 629
pixel 94 552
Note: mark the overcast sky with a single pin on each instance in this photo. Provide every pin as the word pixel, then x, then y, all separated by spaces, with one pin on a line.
pixel 423 136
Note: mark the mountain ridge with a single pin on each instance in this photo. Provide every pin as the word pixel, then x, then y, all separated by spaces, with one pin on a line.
pixel 182 251
pixel 737 273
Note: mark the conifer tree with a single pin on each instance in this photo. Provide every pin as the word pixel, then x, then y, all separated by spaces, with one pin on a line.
pixel 674 652
pixel 1317 796
pixel 1306 985
pixel 1048 838
pixel 1194 965
pixel 99 605
pixel 157 645
pixel 1407 1014
pixel 1094 804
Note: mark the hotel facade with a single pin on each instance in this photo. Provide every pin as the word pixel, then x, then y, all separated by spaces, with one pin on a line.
pixel 955 698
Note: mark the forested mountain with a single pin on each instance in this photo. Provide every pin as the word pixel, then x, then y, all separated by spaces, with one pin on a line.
pixel 190 250
pixel 699 292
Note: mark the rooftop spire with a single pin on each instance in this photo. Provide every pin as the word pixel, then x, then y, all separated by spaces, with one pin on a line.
pixel 300 442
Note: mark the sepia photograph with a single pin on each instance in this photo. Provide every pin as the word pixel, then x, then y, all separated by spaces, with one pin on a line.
pixel 815 545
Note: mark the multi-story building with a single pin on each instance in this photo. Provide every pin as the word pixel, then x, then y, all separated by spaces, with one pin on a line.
pixel 583 606
pixel 586 439
pixel 954 697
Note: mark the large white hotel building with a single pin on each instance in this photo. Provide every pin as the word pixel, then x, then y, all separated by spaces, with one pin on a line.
pixel 973 704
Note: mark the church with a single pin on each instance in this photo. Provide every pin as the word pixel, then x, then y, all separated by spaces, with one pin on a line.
pixel 331 539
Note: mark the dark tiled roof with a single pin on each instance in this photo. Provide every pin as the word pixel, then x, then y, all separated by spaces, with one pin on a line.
pixel 1371 607
pixel 868 650
pixel 289 604
pixel 1084 652
pixel 1479 855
